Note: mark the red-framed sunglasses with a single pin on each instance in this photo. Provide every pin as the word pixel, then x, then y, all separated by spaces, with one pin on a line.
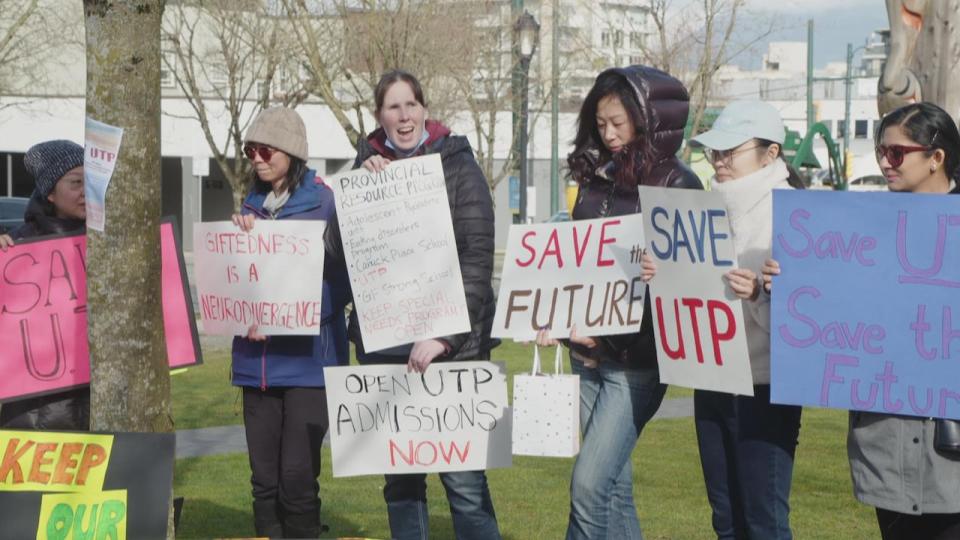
pixel 896 152
pixel 252 150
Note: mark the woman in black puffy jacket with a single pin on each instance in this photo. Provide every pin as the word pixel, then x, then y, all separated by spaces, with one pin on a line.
pixel 630 129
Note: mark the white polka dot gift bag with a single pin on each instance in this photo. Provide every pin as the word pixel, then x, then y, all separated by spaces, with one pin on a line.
pixel 546 411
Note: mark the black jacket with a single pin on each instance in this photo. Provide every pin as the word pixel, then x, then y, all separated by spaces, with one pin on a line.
pixel 471 209
pixel 664 105
pixel 69 409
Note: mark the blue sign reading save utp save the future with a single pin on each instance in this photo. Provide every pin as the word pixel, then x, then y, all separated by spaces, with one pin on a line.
pixel 865 314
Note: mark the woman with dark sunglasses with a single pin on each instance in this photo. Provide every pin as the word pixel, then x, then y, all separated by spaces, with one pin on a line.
pixel 284 396
pixel 893 462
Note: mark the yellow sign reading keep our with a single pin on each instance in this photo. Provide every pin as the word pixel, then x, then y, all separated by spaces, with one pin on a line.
pixel 70 516
pixel 48 461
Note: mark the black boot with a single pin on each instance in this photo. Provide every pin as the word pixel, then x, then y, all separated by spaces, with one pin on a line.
pixel 266 521
pixel 303 525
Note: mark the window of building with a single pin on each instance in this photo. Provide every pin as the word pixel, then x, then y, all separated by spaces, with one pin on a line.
pixel 861 129
pixel 618 39
pixel 605 38
pixel 637 40
pixel 840 129
pixel 167 68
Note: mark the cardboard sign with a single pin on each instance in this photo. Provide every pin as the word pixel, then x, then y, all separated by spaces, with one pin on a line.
pixel 101 148
pixel 697 319
pixel 85 485
pixel 866 309
pixel 270 277
pixel 43 313
pixel 581 273
pixel 384 420
pixel 401 253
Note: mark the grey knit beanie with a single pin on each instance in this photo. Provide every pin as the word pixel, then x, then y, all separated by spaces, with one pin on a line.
pixel 281 128
pixel 48 161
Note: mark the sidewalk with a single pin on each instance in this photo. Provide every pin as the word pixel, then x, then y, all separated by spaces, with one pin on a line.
pixel 230 439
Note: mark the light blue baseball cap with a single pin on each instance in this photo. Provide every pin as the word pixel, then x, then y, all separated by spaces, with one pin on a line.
pixel 741 121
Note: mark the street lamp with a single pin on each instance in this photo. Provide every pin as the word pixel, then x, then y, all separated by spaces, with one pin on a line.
pixel 527 32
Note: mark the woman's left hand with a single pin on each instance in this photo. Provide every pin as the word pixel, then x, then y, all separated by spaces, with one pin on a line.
pixel 253 334
pixel 423 353
pixel 744 283
pixel 648 267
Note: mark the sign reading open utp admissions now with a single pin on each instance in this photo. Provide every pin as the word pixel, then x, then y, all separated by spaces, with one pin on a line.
pixel 384 420
pixel 401 252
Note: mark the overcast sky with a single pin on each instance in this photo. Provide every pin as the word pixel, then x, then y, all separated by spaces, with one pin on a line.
pixel 835 23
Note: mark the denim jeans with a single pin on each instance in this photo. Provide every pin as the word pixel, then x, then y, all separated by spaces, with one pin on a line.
pixel 615 404
pixel 470 505
pixel 747 446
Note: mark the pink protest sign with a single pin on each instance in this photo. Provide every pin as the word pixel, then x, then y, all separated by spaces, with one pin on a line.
pixel 43 314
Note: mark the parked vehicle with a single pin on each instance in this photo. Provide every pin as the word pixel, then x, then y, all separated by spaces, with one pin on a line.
pixel 871 182
pixel 11 212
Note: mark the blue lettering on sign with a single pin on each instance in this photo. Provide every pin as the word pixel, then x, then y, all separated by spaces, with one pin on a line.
pixel 699 223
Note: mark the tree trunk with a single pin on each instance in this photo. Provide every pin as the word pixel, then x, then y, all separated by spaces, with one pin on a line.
pixel 130 380
pixel 129 376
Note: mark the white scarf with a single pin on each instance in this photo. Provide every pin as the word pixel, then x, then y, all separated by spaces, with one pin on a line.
pixel 273 203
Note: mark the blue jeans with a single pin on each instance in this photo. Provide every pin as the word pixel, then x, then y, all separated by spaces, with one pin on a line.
pixel 470 505
pixel 747 446
pixel 615 404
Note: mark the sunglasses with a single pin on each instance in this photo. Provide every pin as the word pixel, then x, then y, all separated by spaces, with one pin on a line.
pixel 896 152
pixel 716 156
pixel 253 150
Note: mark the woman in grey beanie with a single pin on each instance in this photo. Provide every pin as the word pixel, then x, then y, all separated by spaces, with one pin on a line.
pixel 56 206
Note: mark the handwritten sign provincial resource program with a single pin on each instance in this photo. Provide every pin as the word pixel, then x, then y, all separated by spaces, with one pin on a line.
pixel 698 321
pixel 866 309
pixel 582 273
pixel 270 277
pixel 384 420
pixel 401 253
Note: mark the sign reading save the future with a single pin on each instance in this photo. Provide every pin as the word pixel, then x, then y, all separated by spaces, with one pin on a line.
pixel 270 277
pixel 61 486
pixel 401 252
pixel 582 273
pixel 697 319
pixel 863 309
pixel 384 420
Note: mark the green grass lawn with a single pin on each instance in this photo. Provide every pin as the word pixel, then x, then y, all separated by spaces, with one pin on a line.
pixel 531 497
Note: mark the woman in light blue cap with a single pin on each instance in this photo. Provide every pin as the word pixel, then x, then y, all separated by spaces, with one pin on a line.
pixel 746 443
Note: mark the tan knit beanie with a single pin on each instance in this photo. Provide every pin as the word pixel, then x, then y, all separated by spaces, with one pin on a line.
pixel 281 128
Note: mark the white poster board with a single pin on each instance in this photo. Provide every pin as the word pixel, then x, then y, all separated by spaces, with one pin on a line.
pixel 384 420
pixel 579 273
pixel 401 253
pixel 698 321
pixel 271 277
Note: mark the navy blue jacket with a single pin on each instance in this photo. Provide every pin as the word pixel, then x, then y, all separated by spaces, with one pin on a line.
pixel 298 360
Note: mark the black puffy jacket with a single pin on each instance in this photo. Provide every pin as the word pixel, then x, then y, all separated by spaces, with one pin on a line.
pixel 664 104
pixel 471 209
pixel 69 409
